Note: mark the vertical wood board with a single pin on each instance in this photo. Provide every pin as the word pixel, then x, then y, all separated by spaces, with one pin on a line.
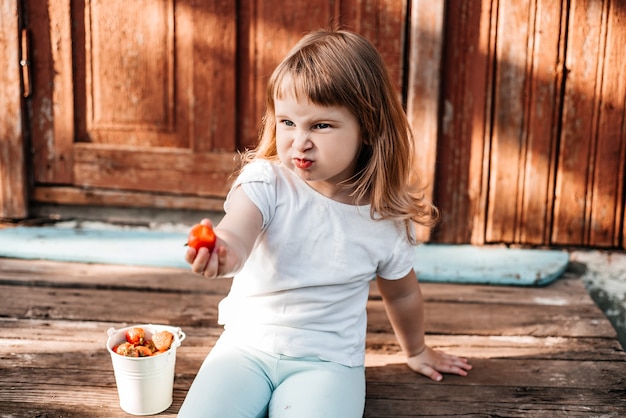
pixel 525 121
pixel 577 150
pixel 215 76
pixel 423 92
pixel 13 183
pixel 51 107
pixel 383 22
pixel 463 141
pixel 508 145
pixel 607 190
pixel 545 92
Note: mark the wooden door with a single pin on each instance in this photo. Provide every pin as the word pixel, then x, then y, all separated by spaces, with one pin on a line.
pixel 147 103
pixel 133 101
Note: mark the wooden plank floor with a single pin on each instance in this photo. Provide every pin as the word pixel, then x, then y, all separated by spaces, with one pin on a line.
pixel 542 352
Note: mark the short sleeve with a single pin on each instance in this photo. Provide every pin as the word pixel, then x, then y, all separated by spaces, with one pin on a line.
pixel 400 261
pixel 258 181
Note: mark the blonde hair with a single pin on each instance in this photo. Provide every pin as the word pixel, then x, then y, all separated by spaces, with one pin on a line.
pixel 342 68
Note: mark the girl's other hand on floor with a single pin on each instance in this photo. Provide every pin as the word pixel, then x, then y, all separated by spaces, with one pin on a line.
pixel 432 363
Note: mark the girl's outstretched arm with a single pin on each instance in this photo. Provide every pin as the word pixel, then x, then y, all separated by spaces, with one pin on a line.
pixel 236 234
pixel 405 308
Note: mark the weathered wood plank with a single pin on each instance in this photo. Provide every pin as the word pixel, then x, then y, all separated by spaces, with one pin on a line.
pixel 424 72
pixel 103 198
pixel 429 401
pixel 463 148
pixel 45 273
pixel 69 400
pixel 188 309
pixel 608 188
pixel 55 163
pixel 206 174
pixel 544 104
pixel 503 319
pixel 525 120
pixel 382 348
pixel 13 178
pixel 577 155
pixel 166 88
pixel 570 387
pixel 62 336
pixel 569 290
pixel 508 145
pixel 172 289
pixel 132 306
pixel 513 372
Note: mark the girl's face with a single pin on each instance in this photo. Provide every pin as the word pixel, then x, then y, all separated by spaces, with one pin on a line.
pixel 319 143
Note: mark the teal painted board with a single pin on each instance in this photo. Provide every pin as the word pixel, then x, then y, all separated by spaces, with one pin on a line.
pixel 433 263
pixel 489 265
pixel 127 246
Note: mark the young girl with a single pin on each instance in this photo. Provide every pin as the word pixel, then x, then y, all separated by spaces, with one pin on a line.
pixel 321 208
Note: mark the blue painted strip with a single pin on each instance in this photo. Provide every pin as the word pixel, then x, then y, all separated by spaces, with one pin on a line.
pixel 433 262
pixel 489 265
pixel 128 247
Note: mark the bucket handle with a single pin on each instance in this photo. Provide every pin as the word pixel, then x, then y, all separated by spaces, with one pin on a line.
pixel 181 336
pixel 111 331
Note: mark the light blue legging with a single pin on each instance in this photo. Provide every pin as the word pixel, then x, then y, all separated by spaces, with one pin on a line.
pixel 242 382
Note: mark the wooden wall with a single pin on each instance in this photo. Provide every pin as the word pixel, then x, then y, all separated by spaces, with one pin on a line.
pixel 533 138
pixel 517 108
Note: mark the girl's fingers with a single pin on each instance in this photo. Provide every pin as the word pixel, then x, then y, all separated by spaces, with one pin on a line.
pixel 190 255
pixel 212 266
pixel 199 263
pixel 428 371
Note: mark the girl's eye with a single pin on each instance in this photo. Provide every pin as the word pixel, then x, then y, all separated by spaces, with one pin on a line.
pixel 287 122
pixel 321 126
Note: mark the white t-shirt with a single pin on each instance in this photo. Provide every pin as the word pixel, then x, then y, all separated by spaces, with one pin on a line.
pixel 303 291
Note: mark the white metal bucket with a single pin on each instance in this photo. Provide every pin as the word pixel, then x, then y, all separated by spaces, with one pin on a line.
pixel 144 384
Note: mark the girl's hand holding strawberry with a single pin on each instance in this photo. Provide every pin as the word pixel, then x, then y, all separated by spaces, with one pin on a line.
pixel 215 259
pixel 234 238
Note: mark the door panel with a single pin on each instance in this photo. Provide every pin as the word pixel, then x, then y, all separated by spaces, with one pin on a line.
pixel 127 75
pixel 136 96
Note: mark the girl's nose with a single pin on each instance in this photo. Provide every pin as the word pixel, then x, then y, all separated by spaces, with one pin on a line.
pixel 301 140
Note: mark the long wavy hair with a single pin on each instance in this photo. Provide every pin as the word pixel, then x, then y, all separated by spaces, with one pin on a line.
pixel 342 68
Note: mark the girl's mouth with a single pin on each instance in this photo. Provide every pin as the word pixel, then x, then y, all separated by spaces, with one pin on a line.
pixel 302 164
